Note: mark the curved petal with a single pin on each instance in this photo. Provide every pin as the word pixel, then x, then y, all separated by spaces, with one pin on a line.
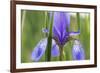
pixel 74 33
pixel 61 21
pixel 55 49
pixel 78 51
pixel 39 50
pixel 61 25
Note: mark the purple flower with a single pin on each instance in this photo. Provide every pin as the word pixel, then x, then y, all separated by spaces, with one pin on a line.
pixel 61 26
pixel 61 34
pixel 78 51
pixel 40 49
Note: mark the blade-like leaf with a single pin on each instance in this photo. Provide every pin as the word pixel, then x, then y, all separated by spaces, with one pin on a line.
pixel 49 43
pixel 78 20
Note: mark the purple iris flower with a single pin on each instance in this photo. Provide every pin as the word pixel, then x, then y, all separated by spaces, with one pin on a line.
pixel 61 34
pixel 40 49
pixel 61 26
pixel 78 51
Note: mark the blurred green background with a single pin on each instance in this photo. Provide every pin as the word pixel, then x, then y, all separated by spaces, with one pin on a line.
pixel 33 21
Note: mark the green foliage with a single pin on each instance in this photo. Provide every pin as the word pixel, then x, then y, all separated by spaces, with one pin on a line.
pixel 31 32
pixel 49 43
pixel 32 23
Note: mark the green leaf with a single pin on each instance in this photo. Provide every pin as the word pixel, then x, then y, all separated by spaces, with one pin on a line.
pixel 85 33
pixel 49 43
pixel 78 20
pixel 32 21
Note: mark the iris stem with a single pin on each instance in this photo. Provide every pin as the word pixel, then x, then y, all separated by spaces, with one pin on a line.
pixel 49 43
pixel 78 21
pixel 61 54
pixel 46 22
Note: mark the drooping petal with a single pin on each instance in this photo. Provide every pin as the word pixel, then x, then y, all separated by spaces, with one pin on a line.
pixel 74 33
pixel 40 49
pixel 78 51
pixel 60 25
pixel 55 49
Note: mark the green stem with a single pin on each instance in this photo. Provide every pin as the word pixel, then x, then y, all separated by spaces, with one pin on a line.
pixel 23 18
pixel 49 43
pixel 61 54
pixel 46 20
pixel 78 21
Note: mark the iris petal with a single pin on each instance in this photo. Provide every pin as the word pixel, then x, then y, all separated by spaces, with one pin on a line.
pixel 60 25
pixel 78 51
pixel 40 49
pixel 74 33
pixel 55 49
